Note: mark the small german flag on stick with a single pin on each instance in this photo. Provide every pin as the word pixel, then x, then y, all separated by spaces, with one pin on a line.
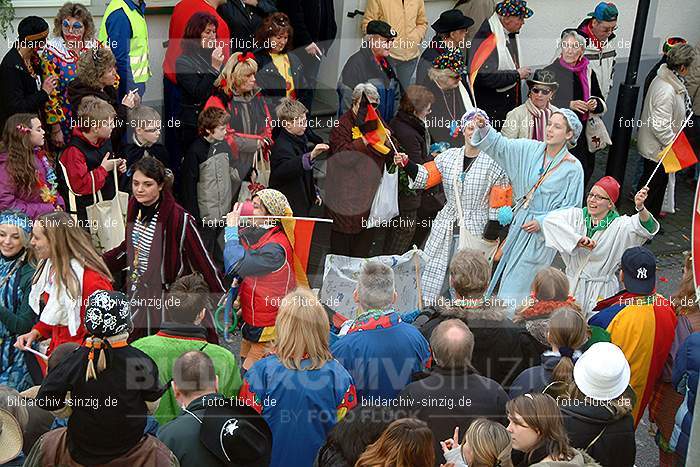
pixel 369 125
pixel 678 155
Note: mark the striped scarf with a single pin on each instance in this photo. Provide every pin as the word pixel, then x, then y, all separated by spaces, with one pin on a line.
pixel 540 118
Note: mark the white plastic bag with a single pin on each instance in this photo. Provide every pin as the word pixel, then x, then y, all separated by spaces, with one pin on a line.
pixel 385 205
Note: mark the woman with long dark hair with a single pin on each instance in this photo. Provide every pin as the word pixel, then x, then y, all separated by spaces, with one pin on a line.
pixel 162 243
pixel 27 179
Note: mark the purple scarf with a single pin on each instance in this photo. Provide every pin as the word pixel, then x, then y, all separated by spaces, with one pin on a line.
pixel 581 70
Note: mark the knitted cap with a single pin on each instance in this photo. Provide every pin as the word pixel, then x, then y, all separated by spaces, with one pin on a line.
pixel 16 218
pixel 275 202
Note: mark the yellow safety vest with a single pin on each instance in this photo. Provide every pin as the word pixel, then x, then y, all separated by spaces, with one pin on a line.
pixel 138 50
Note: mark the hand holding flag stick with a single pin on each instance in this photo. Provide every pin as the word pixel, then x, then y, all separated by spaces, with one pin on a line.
pixel 682 154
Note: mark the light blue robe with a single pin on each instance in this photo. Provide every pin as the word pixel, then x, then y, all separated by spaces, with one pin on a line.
pixel 525 254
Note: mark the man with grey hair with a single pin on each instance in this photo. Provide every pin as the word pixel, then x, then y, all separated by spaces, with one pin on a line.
pixel 370 65
pixel 379 350
pixel 452 393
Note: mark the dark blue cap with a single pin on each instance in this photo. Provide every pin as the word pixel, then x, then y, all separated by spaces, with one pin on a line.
pixel 639 267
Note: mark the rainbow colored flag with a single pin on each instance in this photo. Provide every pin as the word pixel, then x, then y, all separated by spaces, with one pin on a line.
pixel 679 155
pixel 482 53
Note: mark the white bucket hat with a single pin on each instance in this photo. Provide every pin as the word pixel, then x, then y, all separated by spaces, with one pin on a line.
pixel 10 437
pixel 602 372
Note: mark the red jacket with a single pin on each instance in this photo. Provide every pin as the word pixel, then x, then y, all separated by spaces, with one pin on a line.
pixel 177 250
pixel 182 13
pixel 261 295
pixel 92 281
pixel 73 159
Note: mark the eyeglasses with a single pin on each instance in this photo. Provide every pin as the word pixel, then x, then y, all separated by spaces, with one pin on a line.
pixel 75 26
pixel 151 130
pixel 544 92
pixel 597 197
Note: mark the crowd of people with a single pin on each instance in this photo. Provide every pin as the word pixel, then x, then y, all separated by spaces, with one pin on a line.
pixel 121 252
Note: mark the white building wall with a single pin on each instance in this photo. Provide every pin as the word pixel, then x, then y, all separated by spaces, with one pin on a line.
pixel 538 37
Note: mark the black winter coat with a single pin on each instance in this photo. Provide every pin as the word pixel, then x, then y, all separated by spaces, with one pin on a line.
pixel 272 85
pixel 181 435
pixel 413 138
pixel 490 79
pixel 616 447
pixel 425 62
pixel 537 378
pixel 287 172
pixel 457 398
pixel 570 88
pixel 502 349
pixel 243 21
pixel 19 91
pixel 312 20
pixel 195 80
pixel 448 107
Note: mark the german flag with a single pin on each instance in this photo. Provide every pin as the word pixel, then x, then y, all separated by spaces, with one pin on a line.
pixel 679 155
pixel 300 232
pixel 485 49
pixel 369 125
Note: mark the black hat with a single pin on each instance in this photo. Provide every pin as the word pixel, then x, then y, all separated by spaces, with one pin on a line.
pixel 107 314
pixel 639 266
pixel 381 28
pixel 545 78
pixel 452 20
pixel 236 434
pixel 32 28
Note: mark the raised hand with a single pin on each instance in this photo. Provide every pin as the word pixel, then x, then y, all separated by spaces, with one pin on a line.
pixel 450 443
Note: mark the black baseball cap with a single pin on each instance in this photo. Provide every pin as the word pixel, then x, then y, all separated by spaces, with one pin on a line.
pixel 381 28
pixel 639 267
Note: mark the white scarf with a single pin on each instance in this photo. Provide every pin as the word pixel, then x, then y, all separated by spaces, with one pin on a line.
pixel 61 309
pixel 505 61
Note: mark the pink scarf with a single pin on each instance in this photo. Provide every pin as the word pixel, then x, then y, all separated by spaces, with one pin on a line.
pixel 581 70
pixel 539 118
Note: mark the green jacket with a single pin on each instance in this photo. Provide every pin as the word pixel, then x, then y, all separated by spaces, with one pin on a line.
pixel 173 340
pixel 20 321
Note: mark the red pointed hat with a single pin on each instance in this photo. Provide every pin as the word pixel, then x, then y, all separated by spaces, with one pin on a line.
pixel 610 186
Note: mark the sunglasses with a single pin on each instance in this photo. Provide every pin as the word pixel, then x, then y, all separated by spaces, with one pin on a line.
pixel 544 92
pixel 75 26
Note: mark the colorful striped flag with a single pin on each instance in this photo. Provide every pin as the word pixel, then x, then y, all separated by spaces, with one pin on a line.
pixel 679 155
pixel 369 125
pixel 300 232
pixel 482 53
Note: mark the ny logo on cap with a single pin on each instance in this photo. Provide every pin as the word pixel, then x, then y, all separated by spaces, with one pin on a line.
pixel 642 273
